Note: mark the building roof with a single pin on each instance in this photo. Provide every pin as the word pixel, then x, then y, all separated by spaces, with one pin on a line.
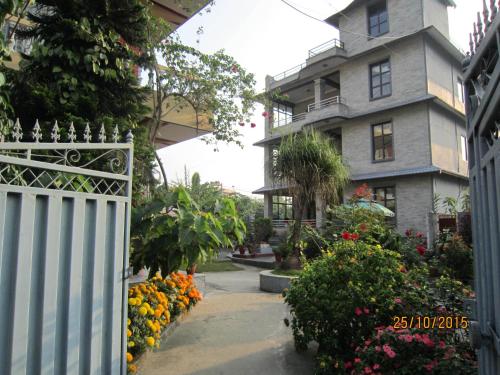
pixel 269 189
pixel 404 172
pixel 334 19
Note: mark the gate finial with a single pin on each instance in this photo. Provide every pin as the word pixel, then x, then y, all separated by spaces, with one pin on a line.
pixel 71 133
pixel 129 138
pixel 17 131
pixel 55 133
pixel 87 137
pixel 102 134
pixel 115 137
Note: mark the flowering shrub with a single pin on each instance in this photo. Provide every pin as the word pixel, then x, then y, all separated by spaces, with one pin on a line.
pixel 342 296
pixel 413 248
pixel 409 352
pixel 151 307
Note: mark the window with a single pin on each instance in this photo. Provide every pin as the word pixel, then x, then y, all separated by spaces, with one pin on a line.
pixel 380 80
pixel 382 142
pixel 282 208
pixel 18 44
pixel 378 20
pixel 465 156
pixel 386 196
pixel 282 114
pixel 460 90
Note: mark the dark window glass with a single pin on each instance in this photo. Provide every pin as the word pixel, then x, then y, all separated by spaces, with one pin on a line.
pixel 378 19
pixel 385 196
pixel 380 80
pixel 282 115
pixel 382 142
pixel 282 208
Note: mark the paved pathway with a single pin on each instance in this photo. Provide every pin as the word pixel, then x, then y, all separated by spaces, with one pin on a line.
pixel 235 330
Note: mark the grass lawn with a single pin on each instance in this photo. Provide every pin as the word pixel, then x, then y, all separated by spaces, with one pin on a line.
pixel 218 266
pixel 287 272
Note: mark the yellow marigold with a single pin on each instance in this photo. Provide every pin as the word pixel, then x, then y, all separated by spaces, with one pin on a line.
pixel 150 341
pixel 146 305
pixel 131 344
pixel 157 313
pixel 149 323
pixel 130 357
pixel 129 333
pixel 129 322
pixel 132 301
pixel 132 368
pixel 143 311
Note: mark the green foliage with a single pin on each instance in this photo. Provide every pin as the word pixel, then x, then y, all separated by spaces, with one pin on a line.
pixel 171 230
pixel 309 164
pixel 263 229
pixel 341 297
pixel 456 257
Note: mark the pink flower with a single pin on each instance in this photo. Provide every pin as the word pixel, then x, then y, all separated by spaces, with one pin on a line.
pixel 368 342
pixel 253 125
pixel 265 114
pixel 408 338
pixel 357 360
pixel 421 250
pixel 408 232
pixel 378 348
pixel 419 235
pixel 368 370
pixel 234 68
pixel 376 366
pixel 427 341
pixel 431 365
pixel 358 311
pixel 366 310
pixel 397 300
pixel 442 344
pixel 348 365
pixel 388 351
pixel 242 124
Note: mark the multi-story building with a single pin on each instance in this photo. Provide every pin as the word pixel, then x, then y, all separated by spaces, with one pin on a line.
pixel 390 95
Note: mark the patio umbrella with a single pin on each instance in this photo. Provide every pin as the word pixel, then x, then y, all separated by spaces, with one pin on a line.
pixel 372 206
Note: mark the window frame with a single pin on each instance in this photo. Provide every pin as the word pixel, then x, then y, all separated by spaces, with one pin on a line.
pixel 461 91
pixel 374 160
pixel 381 85
pixel 385 187
pixel 464 148
pixel 281 111
pixel 369 13
pixel 287 205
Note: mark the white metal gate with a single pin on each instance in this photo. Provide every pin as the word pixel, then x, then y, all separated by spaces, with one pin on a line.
pixel 64 237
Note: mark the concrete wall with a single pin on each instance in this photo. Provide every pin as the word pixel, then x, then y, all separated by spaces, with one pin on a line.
pixel 446 131
pixel 410 140
pixel 448 186
pixel 405 17
pixel 443 74
pixel 413 200
pixel 408 75
pixel 436 14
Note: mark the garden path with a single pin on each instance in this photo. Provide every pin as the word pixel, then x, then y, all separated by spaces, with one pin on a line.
pixel 235 330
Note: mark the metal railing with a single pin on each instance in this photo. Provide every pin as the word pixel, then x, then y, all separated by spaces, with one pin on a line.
pixel 289 120
pixel 286 223
pixel 325 103
pixel 334 43
pixel 289 72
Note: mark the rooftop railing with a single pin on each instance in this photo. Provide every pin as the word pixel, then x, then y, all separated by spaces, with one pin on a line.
pixel 289 72
pixel 325 47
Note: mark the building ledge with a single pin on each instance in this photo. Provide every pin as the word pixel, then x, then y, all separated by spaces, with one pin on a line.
pixel 269 189
pixel 405 172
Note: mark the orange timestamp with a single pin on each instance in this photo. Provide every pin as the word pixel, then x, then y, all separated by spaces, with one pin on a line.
pixel 430 322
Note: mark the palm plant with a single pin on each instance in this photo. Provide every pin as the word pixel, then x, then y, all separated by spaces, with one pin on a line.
pixel 309 165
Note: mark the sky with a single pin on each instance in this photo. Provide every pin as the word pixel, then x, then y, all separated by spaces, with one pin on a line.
pixel 265 37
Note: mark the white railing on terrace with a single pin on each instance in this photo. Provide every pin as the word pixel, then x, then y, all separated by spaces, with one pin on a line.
pixel 325 103
pixel 326 46
pixel 289 72
pixel 286 223
pixel 310 108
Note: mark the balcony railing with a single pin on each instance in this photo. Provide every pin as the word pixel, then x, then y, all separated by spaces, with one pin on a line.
pixel 289 72
pixel 286 223
pixel 325 46
pixel 289 120
pixel 325 103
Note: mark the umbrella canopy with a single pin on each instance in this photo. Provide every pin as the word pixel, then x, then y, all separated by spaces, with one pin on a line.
pixel 372 206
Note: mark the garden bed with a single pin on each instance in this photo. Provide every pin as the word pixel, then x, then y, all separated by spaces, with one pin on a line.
pixel 271 282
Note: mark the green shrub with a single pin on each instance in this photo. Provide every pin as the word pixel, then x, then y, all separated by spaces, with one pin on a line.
pixel 342 296
pixel 263 229
pixel 456 256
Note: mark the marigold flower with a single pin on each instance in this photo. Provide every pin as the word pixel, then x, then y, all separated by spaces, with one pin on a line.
pixel 150 341
pixel 130 357
pixel 143 311
pixel 129 333
pixel 132 368
pixel 132 301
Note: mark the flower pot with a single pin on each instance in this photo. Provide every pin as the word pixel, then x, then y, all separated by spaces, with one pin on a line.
pixel 242 250
pixel 278 258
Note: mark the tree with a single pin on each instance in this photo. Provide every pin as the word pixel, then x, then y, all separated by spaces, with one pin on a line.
pixel 81 70
pixel 308 164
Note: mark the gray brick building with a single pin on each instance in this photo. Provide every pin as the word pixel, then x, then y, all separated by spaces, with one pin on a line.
pixel 390 95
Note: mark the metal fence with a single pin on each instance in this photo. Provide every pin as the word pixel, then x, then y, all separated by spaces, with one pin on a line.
pixel 64 236
pixel 482 79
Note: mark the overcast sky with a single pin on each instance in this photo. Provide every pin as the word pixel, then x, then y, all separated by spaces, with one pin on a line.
pixel 266 37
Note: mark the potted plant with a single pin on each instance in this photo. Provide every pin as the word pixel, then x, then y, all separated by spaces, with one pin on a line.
pixel 241 249
pixel 277 254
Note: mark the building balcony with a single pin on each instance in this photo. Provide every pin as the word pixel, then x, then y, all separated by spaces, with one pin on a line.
pixel 327 108
pixel 332 50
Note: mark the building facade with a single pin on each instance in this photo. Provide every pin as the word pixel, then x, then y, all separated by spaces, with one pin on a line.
pixel 390 95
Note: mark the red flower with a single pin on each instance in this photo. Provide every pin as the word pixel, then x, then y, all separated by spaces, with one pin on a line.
pixel 388 351
pixel 363 227
pixel 234 68
pixel 419 235
pixel 368 342
pixel 376 366
pixel 242 124
pixel 252 125
pixel 358 311
pixel 357 360
pixel 378 348
pixel 431 365
pixel 265 114
pixel 368 370
pixel 348 365
pixel 346 236
pixel 366 310
pixel 354 236
pixel 397 300
pixel 426 340
pixel 442 344
pixel 403 269
pixel 408 233
pixel 421 250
